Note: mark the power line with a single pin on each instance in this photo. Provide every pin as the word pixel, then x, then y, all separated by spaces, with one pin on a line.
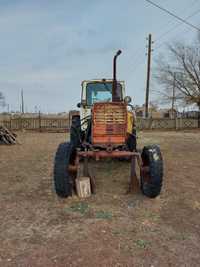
pixel 194 2
pixel 138 62
pixel 173 15
pixel 139 65
pixel 160 44
pixel 176 26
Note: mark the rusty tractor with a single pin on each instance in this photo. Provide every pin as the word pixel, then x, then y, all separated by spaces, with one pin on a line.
pixel 105 127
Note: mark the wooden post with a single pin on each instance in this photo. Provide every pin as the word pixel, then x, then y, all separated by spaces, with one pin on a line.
pixel 21 123
pixel 173 96
pixel 83 187
pixel 22 99
pixel 176 123
pixel 198 117
pixel 148 77
pixel 87 173
pixel 83 181
pixel 134 183
pixel 39 117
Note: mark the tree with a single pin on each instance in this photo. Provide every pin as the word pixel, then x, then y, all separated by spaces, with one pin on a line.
pixel 181 71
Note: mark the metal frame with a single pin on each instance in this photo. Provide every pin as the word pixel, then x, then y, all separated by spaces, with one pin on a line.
pixel 109 151
pixel 101 154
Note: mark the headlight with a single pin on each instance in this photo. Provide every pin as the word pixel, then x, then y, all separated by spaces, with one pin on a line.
pixel 127 99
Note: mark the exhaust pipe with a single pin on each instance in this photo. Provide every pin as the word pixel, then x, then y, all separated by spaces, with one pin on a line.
pixel 115 95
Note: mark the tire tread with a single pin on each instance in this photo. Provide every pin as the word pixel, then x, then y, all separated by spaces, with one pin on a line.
pixel 62 179
pixel 153 188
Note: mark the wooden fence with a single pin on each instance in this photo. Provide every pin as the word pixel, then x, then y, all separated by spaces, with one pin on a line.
pixel 37 123
pixel 62 124
pixel 166 123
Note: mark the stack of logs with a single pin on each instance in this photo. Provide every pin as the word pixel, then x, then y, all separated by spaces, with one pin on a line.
pixel 7 137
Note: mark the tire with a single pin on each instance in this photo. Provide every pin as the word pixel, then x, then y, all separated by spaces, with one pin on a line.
pixel 75 131
pixel 132 141
pixel 63 181
pixel 151 180
pixel 131 145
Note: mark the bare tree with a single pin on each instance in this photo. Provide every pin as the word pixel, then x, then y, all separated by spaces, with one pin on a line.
pixel 181 71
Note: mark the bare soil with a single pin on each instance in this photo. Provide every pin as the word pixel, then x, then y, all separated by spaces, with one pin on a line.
pixel 109 229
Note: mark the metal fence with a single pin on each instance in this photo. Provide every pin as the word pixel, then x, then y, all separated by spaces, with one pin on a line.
pixel 62 124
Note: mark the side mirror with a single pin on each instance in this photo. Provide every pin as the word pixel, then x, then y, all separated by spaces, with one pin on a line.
pixel 81 104
pixel 127 99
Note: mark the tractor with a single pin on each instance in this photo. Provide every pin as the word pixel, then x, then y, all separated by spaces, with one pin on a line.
pixel 105 127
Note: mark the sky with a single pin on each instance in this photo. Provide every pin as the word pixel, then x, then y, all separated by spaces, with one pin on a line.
pixel 48 47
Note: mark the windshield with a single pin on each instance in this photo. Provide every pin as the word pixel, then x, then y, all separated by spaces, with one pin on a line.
pixel 101 92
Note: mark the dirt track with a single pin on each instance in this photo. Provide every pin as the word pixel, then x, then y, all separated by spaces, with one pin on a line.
pixel 109 229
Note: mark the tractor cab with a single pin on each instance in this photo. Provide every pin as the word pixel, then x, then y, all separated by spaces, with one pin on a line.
pixel 98 91
pixel 95 91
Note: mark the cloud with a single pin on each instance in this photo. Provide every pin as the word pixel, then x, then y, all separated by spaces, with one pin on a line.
pixel 47 47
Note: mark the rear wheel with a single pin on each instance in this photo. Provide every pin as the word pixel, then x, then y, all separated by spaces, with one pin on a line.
pixel 152 171
pixel 75 131
pixel 132 141
pixel 63 180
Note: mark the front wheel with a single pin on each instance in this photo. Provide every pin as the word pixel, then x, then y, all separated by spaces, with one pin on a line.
pixel 151 171
pixel 63 180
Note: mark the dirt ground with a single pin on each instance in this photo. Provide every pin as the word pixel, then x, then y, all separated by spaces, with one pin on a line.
pixel 109 229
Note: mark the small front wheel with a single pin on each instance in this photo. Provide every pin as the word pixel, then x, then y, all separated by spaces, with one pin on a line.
pixel 151 171
pixel 63 180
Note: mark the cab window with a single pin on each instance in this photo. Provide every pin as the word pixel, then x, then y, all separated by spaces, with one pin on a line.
pixel 101 92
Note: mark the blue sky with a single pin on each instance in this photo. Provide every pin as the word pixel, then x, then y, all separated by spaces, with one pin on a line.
pixel 48 47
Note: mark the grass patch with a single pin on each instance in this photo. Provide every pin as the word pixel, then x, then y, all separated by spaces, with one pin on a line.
pixel 79 207
pixel 178 237
pixel 83 208
pixel 103 215
pixel 141 243
pixel 153 216
pixel 116 232
pixel 182 236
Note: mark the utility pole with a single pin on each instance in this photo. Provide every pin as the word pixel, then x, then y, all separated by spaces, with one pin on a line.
pixel 148 76
pixel 22 100
pixel 173 93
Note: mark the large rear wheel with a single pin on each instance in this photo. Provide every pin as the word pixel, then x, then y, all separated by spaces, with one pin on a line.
pixel 152 171
pixel 132 141
pixel 75 131
pixel 63 179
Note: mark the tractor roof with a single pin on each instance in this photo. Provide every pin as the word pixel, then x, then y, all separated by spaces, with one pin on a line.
pixel 100 80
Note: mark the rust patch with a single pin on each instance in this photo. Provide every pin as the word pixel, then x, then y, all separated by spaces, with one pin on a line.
pixel 109 123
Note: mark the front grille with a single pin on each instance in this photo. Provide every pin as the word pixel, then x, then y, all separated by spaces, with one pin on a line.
pixel 109 123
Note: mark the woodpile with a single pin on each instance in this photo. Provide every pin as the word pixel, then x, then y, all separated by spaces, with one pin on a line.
pixel 7 137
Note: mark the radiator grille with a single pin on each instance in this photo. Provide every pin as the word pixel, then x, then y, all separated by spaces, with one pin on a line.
pixel 109 123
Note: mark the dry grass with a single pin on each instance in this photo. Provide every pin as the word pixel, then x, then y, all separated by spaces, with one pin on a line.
pixel 109 229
